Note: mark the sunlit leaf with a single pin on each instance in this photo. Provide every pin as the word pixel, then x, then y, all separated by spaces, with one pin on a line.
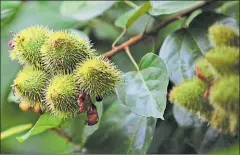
pixel 127 19
pixel 45 122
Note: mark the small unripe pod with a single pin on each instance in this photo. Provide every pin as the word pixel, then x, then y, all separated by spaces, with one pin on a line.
pixel 37 108
pixel 29 85
pixel 26 45
pixel 225 94
pixel 97 76
pixel 225 60
pixel 62 95
pixel 62 51
pixel 222 35
pixel 190 96
pixel 24 106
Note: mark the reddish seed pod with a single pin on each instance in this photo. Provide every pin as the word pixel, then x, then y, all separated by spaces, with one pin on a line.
pixel 81 98
pixel 11 44
pixel 199 74
pixel 92 116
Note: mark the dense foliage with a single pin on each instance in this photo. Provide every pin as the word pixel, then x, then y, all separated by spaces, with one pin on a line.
pixel 186 53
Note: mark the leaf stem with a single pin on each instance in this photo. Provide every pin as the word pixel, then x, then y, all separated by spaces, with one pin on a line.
pixel 131 58
pixel 130 3
pixel 146 24
pixel 119 37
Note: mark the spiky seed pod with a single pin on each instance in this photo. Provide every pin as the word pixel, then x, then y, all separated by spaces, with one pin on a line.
pixel 190 96
pixel 61 96
pixel 225 94
pixel 222 35
pixel 234 123
pixel 224 122
pixel 204 70
pixel 225 60
pixel 62 51
pixel 97 76
pixel 29 85
pixel 26 45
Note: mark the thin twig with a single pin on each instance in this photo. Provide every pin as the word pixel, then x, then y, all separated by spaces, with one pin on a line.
pixel 164 23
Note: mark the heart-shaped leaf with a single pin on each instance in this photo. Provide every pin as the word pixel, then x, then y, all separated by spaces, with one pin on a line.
pixel 122 132
pixel 181 49
pixel 46 121
pixel 144 91
pixel 84 10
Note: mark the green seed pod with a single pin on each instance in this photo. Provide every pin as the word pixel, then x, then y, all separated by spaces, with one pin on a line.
pixel 224 122
pixel 61 96
pixel 29 85
pixel 222 35
pixel 225 94
pixel 97 76
pixel 27 45
pixel 204 70
pixel 225 60
pixel 190 96
pixel 62 51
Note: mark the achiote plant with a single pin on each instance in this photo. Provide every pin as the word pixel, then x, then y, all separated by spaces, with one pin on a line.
pixel 61 72
pixel 214 93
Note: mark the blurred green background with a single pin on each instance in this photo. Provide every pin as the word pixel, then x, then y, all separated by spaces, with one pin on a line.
pixel 169 137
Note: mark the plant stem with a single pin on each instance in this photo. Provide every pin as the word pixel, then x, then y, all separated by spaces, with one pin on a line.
pixel 164 23
pixel 146 24
pixel 15 130
pixel 130 3
pixel 119 37
pixel 131 58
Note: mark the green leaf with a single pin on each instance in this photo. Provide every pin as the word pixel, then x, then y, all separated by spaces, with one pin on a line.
pixel 84 10
pixel 80 131
pixel 46 121
pixel 9 4
pixel 169 7
pixel 182 48
pixel 127 19
pixel 180 51
pixel 144 91
pixel 15 130
pixel 122 132
pixel 104 30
